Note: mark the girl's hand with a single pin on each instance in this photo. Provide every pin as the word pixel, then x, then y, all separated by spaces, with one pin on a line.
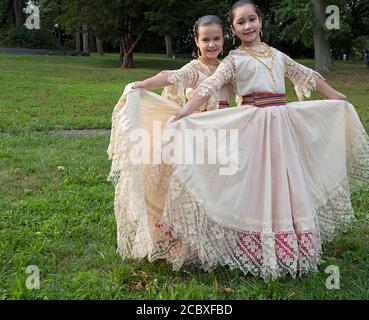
pixel 183 112
pixel 324 88
pixel 139 85
pixel 179 115
pixel 339 96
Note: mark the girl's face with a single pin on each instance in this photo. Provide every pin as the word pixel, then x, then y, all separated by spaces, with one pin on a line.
pixel 210 41
pixel 247 25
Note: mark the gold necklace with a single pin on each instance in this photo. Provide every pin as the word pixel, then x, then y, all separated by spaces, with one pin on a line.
pixel 256 55
pixel 266 52
pixel 209 62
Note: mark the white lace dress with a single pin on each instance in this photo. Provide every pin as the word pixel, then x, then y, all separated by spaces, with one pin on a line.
pixel 294 167
pixel 141 188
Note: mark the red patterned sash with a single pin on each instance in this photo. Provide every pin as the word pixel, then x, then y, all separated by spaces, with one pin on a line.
pixel 223 104
pixel 264 99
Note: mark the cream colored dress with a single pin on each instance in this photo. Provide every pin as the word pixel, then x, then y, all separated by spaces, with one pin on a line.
pixel 296 165
pixel 141 189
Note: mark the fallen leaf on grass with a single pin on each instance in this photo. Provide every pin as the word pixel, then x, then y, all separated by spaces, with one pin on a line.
pixel 214 284
pixel 144 274
pixel 139 285
pixel 225 290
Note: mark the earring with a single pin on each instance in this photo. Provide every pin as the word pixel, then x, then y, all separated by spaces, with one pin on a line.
pixel 261 32
pixel 234 41
pixel 222 53
pixel 198 53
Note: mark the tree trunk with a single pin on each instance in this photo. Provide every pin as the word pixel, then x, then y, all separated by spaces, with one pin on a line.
pixel 127 44
pixel 86 47
pixel 99 46
pixel 92 43
pixel 322 50
pixel 18 12
pixel 168 46
pixel 78 42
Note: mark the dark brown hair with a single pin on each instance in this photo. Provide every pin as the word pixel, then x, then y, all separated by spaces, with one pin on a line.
pixel 206 21
pixel 242 3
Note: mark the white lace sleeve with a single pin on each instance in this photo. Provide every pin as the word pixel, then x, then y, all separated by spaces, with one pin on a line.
pixel 186 77
pixel 301 76
pixel 210 87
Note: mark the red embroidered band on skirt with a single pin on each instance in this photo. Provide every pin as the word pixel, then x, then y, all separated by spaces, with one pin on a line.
pixel 264 99
pixel 287 245
pixel 160 226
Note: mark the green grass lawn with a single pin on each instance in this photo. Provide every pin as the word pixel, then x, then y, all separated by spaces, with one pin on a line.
pixel 56 207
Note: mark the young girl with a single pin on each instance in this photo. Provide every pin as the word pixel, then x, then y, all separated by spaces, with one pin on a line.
pixel 209 39
pixel 141 188
pixel 297 164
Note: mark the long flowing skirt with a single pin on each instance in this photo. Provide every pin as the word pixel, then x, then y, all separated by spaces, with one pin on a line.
pixel 141 187
pixel 258 189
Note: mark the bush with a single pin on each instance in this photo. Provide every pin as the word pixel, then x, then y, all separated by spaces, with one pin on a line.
pixel 22 37
pixel 359 45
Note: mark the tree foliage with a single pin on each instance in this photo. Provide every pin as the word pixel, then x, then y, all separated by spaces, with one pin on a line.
pixel 142 25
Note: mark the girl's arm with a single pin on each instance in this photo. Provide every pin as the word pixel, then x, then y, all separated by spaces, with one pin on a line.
pixel 185 77
pixel 306 79
pixel 191 106
pixel 211 86
pixel 160 80
pixel 324 88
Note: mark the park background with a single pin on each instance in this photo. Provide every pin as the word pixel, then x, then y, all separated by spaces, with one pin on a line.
pixel 58 87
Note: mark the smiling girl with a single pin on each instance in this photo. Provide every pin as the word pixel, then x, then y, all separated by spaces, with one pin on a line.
pixel 297 164
pixel 141 188
pixel 209 39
